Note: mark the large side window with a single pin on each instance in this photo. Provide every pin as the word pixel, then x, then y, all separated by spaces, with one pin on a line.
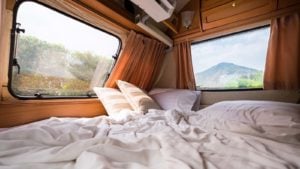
pixel 234 61
pixel 54 55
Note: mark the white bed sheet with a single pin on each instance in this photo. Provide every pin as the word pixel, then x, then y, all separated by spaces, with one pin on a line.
pixel 240 134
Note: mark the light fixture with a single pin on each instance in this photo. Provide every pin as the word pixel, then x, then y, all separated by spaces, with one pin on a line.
pixel 187 18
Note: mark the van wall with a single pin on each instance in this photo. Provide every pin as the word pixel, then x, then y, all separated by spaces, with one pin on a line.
pixel 16 112
pixel 221 17
pixel 167 79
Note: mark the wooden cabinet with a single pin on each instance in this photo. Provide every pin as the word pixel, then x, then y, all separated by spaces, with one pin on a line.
pixel 223 12
pixel 208 4
pixel 287 3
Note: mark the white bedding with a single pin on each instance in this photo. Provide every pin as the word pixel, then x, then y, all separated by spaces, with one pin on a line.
pixel 240 134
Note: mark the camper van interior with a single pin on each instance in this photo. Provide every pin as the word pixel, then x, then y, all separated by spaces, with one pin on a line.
pixel 144 84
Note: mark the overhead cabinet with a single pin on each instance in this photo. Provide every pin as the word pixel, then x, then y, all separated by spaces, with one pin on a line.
pixel 287 3
pixel 216 13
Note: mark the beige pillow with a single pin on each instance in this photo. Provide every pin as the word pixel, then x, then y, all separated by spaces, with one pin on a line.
pixel 112 99
pixel 137 98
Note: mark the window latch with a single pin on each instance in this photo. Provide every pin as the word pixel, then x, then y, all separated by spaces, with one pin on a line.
pixel 15 63
pixel 89 94
pixel 18 29
pixel 40 95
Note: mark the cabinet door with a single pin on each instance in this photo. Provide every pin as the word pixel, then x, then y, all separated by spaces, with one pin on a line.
pixel 235 11
pixel 287 3
pixel 208 4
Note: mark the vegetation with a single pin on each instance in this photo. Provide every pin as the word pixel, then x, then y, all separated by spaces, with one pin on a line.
pixel 87 63
pixel 51 69
pixel 253 81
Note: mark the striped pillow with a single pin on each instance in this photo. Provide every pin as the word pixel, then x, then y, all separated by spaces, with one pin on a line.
pixel 137 98
pixel 112 99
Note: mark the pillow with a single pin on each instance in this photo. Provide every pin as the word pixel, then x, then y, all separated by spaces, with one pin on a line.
pixel 255 112
pixel 178 99
pixel 136 97
pixel 113 100
pixel 160 90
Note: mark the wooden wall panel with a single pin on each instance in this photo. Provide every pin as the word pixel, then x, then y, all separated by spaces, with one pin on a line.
pixel 208 4
pixel 101 8
pixel 287 3
pixel 21 112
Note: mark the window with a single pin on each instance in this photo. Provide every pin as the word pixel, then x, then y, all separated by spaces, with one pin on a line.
pixel 54 55
pixel 234 61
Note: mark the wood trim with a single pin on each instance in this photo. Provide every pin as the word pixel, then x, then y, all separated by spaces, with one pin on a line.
pixel 104 11
pixel 232 30
pixel 10 4
pixel 208 4
pixel 171 26
pixel 193 36
pixel 286 3
pixel 20 112
pixel 5 49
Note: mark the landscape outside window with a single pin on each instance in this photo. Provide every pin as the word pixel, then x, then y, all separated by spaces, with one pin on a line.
pixel 58 55
pixel 235 61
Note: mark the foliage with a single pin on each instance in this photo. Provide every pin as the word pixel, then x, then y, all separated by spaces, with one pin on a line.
pixel 253 81
pixel 54 70
pixel 28 84
pixel 85 65
pixel 32 52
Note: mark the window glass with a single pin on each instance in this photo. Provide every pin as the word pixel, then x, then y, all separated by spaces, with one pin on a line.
pixel 235 61
pixel 57 55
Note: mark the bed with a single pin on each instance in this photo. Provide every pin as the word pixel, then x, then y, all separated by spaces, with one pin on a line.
pixel 228 134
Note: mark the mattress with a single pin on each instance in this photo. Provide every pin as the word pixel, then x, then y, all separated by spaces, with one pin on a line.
pixel 230 134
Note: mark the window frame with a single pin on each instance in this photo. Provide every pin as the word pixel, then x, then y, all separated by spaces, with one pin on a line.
pixel 12 54
pixel 226 35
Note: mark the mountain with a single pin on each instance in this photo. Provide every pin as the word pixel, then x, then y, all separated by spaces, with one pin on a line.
pixel 224 73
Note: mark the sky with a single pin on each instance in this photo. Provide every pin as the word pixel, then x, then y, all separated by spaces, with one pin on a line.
pixel 54 27
pixel 245 49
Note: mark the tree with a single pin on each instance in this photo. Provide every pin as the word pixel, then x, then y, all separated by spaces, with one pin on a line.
pixel 33 53
pixel 85 64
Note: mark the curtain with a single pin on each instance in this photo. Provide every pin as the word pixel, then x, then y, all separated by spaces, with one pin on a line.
pixel 139 62
pixel 185 74
pixel 283 57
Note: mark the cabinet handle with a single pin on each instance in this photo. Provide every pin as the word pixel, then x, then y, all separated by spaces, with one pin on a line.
pixel 233 4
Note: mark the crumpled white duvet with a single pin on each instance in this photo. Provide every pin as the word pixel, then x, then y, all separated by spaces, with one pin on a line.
pixel 240 134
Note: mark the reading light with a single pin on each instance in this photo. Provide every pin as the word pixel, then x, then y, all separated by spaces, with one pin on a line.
pixel 187 18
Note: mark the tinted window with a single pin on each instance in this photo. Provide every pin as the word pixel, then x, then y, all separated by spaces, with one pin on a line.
pixel 236 61
pixel 58 55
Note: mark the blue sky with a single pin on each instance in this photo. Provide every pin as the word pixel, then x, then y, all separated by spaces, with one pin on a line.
pixel 246 49
pixel 53 27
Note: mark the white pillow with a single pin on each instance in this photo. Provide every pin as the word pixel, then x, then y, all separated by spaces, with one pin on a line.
pixel 256 112
pixel 113 100
pixel 179 99
pixel 160 90
pixel 137 98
